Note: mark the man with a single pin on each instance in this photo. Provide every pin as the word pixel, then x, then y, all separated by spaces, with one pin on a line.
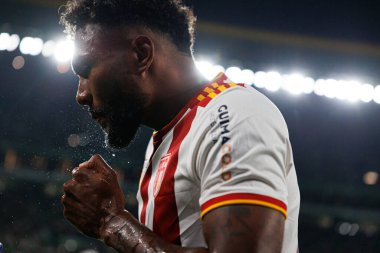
pixel 218 174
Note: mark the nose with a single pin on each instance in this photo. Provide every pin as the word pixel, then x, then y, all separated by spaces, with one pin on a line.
pixel 83 96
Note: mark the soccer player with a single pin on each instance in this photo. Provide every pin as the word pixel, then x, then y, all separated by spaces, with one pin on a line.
pixel 218 174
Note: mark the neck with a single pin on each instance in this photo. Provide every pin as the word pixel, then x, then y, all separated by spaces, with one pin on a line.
pixel 175 88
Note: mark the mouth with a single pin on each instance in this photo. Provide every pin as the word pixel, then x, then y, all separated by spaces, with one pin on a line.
pixel 102 122
pixel 100 116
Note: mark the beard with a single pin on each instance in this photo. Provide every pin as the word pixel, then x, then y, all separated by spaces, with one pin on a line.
pixel 123 126
pixel 123 117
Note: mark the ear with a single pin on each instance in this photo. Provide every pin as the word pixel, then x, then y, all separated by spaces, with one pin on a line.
pixel 144 50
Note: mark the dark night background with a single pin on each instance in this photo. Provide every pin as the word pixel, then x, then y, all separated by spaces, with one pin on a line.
pixel 335 143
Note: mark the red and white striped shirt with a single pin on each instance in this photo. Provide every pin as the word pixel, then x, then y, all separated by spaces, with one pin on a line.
pixel 229 145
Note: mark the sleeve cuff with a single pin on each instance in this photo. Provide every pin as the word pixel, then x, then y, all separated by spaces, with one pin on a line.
pixel 243 198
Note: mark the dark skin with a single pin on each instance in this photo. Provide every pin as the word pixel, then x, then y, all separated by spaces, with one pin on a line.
pixel 93 200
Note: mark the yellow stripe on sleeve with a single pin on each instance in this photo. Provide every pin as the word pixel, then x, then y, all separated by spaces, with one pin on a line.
pixel 244 201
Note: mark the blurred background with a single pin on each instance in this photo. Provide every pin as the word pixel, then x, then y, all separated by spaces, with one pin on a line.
pixel 317 60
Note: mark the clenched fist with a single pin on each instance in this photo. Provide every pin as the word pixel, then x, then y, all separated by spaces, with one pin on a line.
pixel 92 197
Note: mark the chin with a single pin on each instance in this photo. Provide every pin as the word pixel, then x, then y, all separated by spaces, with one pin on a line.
pixel 120 139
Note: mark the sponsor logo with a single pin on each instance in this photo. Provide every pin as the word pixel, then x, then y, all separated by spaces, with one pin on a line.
pixel 213 132
pixel 226 175
pixel 160 173
pixel 226 159
pixel 224 122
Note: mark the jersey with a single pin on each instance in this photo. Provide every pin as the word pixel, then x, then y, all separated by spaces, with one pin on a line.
pixel 229 145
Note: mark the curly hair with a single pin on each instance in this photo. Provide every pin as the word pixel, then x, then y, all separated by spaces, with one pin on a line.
pixel 168 17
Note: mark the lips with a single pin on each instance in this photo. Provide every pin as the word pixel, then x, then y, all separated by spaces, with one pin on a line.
pixel 100 116
pixel 102 121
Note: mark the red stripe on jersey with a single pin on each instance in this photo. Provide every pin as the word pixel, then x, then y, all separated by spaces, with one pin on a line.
pixel 165 219
pixel 145 183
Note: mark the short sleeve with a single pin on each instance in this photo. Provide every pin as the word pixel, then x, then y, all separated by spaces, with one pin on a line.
pixel 243 157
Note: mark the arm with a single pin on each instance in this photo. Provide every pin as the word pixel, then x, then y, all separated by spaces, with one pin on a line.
pixel 126 234
pixel 244 228
pixel 236 228
pixel 94 203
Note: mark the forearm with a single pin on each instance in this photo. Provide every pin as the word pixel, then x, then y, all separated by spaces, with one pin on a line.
pixel 127 235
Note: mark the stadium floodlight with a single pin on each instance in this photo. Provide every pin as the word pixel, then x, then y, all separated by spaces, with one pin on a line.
pixel 4 41
pixel 320 87
pixel 25 45
pixel 14 41
pixel 64 50
pixel 234 73
pixel 353 91
pixel 206 68
pixel 247 76
pixel 48 48
pixel 332 89
pixel 273 81
pixel 308 85
pixel 31 46
pixel 376 94
pixel 259 80
pixel 294 83
pixel 36 49
pixel 216 70
pixel 366 93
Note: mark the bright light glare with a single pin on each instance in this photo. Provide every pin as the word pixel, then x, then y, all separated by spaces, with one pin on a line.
pixel 294 84
pixel 247 76
pixel 308 85
pixel 4 41
pixel 341 90
pixel 32 46
pixel 353 91
pixel 48 48
pixel 234 73
pixel 376 95
pixel 366 93
pixel 259 80
pixel 320 87
pixel 64 50
pixel 14 41
pixel 272 81
pixel 205 68
pixel 332 88
pixel 216 70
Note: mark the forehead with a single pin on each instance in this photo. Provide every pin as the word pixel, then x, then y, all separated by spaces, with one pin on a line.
pixel 93 39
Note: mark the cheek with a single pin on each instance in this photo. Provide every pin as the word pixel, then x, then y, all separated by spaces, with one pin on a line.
pixel 104 84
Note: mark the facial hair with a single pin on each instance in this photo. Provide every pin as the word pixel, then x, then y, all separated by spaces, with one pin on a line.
pixel 123 116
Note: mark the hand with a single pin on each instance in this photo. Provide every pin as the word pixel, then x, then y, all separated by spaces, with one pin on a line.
pixel 92 197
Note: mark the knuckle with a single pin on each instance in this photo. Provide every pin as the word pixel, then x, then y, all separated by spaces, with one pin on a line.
pixel 75 170
pixel 96 157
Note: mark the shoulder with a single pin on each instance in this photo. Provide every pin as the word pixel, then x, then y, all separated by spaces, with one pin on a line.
pixel 244 104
